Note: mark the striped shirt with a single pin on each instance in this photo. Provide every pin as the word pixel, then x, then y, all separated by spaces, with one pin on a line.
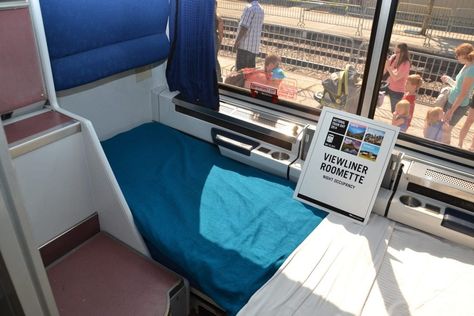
pixel 252 19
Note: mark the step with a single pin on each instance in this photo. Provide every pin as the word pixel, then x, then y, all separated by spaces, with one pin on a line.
pixel 105 277
pixel 40 129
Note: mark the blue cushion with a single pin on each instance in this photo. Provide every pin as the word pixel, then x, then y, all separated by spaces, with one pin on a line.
pixel 98 63
pixel 89 39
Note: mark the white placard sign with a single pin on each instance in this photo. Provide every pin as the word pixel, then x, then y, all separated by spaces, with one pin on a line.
pixel 346 163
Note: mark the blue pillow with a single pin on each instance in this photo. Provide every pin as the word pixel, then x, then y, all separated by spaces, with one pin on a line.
pixel 89 39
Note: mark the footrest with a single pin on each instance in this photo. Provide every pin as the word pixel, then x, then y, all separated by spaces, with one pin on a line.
pixel 26 135
pixel 105 277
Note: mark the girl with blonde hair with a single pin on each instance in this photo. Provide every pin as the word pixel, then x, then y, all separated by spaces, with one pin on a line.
pixel 434 124
pixel 401 116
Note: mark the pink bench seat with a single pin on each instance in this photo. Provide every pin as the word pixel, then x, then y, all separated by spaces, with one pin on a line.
pixel 105 277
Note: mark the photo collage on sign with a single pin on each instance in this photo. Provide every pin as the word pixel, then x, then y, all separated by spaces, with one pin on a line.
pixel 355 139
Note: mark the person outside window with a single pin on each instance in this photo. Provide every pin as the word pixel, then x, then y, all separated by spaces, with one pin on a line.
pixel 218 41
pixel 248 37
pixel 411 87
pixel 459 97
pixel 467 125
pixel 397 67
pixel 270 75
pixel 433 128
pixel 401 115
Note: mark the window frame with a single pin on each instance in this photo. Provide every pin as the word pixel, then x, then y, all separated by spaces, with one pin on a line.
pixel 406 141
pixel 383 24
pixel 283 105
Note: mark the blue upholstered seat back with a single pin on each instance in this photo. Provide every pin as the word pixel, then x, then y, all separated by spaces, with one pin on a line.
pixel 89 39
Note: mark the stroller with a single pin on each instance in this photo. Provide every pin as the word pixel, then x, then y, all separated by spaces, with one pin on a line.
pixel 341 90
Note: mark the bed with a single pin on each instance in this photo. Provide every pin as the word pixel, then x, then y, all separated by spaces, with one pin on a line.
pixel 238 235
pixel 225 226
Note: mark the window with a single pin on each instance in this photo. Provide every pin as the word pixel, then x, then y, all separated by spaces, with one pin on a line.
pixel 322 48
pixel 298 59
pixel 431 30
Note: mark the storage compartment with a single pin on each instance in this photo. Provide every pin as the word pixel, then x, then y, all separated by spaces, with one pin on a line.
pixel 259 138
pixel 435 199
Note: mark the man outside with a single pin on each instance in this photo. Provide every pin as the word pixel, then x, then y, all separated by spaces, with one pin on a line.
pixel 249 32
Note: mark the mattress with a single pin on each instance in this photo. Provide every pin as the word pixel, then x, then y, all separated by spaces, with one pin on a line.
pixel 422 275
pixel 225 226
pixel 330 273
pixel 383 268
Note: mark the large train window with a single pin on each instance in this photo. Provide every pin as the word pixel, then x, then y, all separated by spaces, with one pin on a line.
pixel 428 76
pixel 309 54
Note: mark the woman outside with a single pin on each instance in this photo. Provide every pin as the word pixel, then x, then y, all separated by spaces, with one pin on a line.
pixel 467 125
pixel 459 97
pixel 398 68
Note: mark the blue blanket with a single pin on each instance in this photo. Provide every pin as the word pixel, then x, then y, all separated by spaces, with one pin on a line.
pixel 225 226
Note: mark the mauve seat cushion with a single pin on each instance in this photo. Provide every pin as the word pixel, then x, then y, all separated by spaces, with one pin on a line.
pixel 105 277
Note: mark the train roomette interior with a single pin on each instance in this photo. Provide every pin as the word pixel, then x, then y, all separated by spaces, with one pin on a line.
pixel 135 182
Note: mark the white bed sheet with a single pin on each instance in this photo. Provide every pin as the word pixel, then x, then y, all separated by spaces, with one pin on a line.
pixel 423 275
pixel 383 268
pixel 331 272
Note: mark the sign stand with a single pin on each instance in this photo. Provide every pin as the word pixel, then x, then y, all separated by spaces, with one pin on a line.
pixel 346 163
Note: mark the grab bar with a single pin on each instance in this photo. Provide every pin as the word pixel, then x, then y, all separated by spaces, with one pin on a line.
pixel 233 142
